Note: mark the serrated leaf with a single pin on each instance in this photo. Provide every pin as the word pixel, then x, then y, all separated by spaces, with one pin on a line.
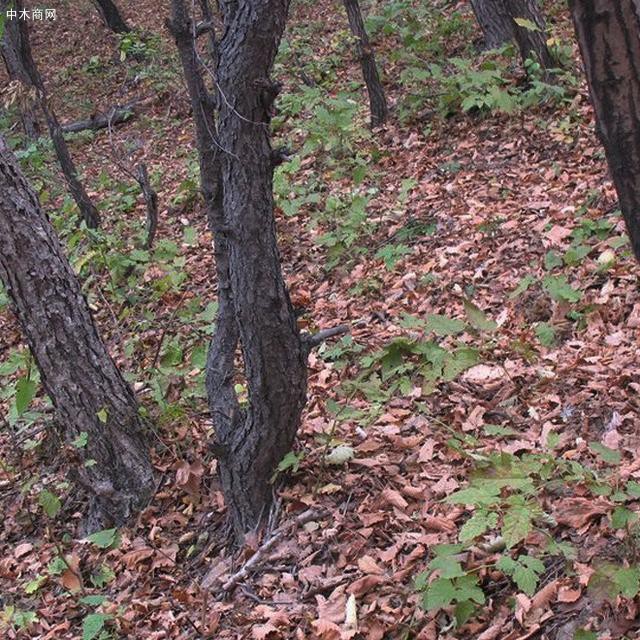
pixel 467 589
pixel 523 285
pixel 93 624
pixel 50 503
pixel 463 611
pixel 448 567
pixel 478 318
pixel 476 526
pixel 516 525
pixel 507 565
pixel 444 326
pixel 474 496
pixel 93 601
pixel 559 289
pixel 526 579
pixel 33 586
pixel 546 334
pixel 103 539
pixel 80 442
pixel 440 593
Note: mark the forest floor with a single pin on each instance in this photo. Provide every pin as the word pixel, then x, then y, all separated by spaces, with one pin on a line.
pixel 467 460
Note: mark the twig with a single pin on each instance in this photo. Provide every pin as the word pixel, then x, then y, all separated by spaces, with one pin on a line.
pixel 313 340
pixel 151 200
pixel 262 554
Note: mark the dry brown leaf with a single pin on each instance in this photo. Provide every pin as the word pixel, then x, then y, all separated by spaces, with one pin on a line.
pixel 364 584
pixel 394 498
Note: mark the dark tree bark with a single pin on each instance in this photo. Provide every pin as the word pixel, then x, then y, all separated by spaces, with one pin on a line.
pixel 87 209
pixel 496 26
pixel 377 98
pixel 10 47
pixel 82 380
pixel 609 38
pixel 236 164
pixel 111 16
pixel 531 42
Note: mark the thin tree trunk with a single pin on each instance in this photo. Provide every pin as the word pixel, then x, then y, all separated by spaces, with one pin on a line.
pixel 377 98
pixel 531 38
pixel 497 27
pixel 88 391
pixel 222 351
pixel 609 38
pixel 256 439
pixel 10 47
pixel 87 209
pixel 112 16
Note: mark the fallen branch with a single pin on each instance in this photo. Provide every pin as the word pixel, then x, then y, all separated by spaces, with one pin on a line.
pixel 262 554
pixel 116 115
pixel 313 340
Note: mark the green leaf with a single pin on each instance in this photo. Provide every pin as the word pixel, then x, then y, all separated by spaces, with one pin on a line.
pixel 621 517
pixel 467 589
pixel 444 326
pixel 583 634
pixel 25 392
pixel 529 25
pixel 628 579
pixel 50 503
pixel 93 601
pixel 477 525
pixel 516 525
pixel 190 236
pixel 477 317
pixel 633 489
pixel 57 566
pixel 102 415
pixel 523 285
pixel 81 441
pixel 33 586
pixel 448 567
pixel 440 593
pixel 103 539
pixel 546 334
pixel 474 496
pixel 498 430
pixel 291 461
pixel 559 289
pixel 93 624
pixel 552 260
pixel 610 456
pixel 507 565
pixel 103 576
pixel 526 579
pixel 463 611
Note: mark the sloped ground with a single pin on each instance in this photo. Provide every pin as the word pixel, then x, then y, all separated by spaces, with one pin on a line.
pixel 495 200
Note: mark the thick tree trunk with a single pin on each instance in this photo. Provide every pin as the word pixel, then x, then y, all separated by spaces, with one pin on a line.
pixel 531 38
pixel 609 38
pixel 10 47
pixel 256 439
pixel 377 98
pixel 111 16
pixel 87 209
pixel 89 394
pixel 236 163
pixel 497 27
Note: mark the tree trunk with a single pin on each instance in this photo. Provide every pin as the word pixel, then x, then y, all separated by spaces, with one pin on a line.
pixel 236 164
pixel 88 391
pixel 377 98
pixel 255 439
pixel 87 209
pixel 531 38
pixel 609 38
pixel 497 27
pixel 111 16
pixel 10 47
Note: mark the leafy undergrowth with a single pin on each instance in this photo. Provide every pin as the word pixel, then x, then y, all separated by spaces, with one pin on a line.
pixel 467 463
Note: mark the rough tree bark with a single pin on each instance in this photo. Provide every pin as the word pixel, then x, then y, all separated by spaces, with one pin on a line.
pixel 532 42
pixel 254 307
pixel 10 47
pixel 496 26
pixel 87 209
pixel 609 38
pixel 377 98
pixel 111 16
pixel 82 380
